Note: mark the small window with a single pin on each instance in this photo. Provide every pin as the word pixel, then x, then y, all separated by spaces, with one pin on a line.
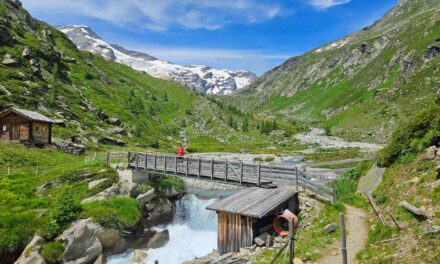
pixel 4 128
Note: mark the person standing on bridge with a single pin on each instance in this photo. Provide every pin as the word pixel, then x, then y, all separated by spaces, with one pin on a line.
pixel 180 154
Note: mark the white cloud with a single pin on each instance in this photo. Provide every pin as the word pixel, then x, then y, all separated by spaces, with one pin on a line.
pixel 324 4
pixel 163 14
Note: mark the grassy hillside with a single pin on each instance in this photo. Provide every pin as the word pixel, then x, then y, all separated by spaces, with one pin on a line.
pixel 49 74
pixel 362 86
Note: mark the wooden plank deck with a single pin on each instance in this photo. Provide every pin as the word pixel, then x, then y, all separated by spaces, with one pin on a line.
pixel 226 171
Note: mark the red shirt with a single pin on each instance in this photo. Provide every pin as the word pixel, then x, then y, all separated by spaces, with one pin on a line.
pixel 180 152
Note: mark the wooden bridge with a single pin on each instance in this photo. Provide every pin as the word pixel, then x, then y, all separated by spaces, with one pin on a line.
pixel 265 176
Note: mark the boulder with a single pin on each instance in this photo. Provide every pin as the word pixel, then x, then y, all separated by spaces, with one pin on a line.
pixel 111 141
pixel 127 188
pixel 70 147
pixel 27 52
pixel 119 131
pixel 5 35
pixel 107 194
pixel 8 60
pixel 100 260
pixel 330 228
pixel 261 239
pixel 139 256
pixel 145 198
pixel 81 242
pixel 159 239
pixel 31 254
pixel 429 154
pixel 112 241
pixel 114 121
pixel 161 214
pixel 93 184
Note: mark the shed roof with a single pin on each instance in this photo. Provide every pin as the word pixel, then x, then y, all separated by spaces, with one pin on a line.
pixel 31 115
pixel 253 202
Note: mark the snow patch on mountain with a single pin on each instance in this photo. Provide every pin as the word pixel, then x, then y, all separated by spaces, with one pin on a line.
pixel 201 78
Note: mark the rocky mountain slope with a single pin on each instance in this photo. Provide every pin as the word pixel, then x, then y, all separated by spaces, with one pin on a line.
pixel 201 78
pixel 362 85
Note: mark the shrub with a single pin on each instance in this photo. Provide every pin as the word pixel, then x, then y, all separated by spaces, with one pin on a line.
pixel 65 210
pixel 258 159
pixel 420 132
pixel 51 252
pixel 119 212
pixel 161 185
pixel 269 159
pixel 145 187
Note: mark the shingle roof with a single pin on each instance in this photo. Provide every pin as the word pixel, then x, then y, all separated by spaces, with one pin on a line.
pixel 253 202
pixel 34 116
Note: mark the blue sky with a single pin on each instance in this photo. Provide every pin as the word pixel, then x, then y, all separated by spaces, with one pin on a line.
pixel 255 35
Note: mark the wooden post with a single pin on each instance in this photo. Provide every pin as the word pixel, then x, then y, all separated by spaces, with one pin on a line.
pixel 165 163
pixel 291 242
pixel 212 168
pixel 155 162
pixel 136 160
pixel 344 241
pixel 108 158
pixel 296 178
pixel 258 175
pixel 226 170
pixel 334 191
pixel 128 161
pixel 145 161
pixel 175 165
pixel 187 166
pixel 241 172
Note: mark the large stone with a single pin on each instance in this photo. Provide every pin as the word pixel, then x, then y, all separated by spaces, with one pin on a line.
pixel 429 153
pixel 93 184
pixel 114 121
pixel 145 197
pixel 5 35
pixel 81 242
pixel 139 256
pixel 100 260
pixel 119 131
pixel 330 228
pixel 127 188
pixel 112 241
pixel 8 60
pixel 261 239
pixel 107 194
pixel 159 239
pixel 31 254
pixel 27 52
pixel 70 147
pixel 111 141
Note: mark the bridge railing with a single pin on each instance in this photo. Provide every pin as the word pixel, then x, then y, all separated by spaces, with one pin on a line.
pixel 224 170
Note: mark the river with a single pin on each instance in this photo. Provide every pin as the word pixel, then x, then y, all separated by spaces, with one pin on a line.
pixel 193 231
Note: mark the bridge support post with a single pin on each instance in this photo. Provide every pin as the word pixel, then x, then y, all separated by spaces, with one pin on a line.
pixel 212 168
pixel 259 175
pixel 199 167
pixel 241 172
pixel 145 161
pixel 155 162
pixel 226 170
pixel 187 166
pixel 175 165
pixel 165 163
pixel 128 159
pixel 137 161
pixel 296 179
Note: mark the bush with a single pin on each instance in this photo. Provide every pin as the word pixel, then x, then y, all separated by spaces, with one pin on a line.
pixel 269 159
pixel 161 185
pixel 51 252
pixel 65 210
pixel 119 212
pixel 420 132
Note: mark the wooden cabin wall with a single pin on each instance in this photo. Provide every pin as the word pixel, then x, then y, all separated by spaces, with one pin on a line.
pixel 234 232
pixel 17 127
pixel 41 132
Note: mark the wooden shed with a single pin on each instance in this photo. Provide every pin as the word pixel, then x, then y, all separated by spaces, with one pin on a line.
pixel 25 126
pixel 247 214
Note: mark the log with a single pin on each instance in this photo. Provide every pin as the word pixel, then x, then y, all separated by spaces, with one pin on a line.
pixel 416 211
pixel 375 208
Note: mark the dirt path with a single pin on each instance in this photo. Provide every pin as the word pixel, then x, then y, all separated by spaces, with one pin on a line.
pixel 357 234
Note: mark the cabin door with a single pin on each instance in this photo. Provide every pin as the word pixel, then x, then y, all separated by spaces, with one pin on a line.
pixel 15 131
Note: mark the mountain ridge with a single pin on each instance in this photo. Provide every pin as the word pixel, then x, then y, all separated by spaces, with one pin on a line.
pixel 203 79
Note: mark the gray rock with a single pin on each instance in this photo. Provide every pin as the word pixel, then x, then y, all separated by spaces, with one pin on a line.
pixel 81 242
pixel 31 254
pixel 159 239
pixel 111 141
pixel 261 239
pixel 93 184
pixel 429 153
pixel 114 121
pixel 145 198
pixel 432 230
pixel 5 35
pixel 107 194
pixel 127 188
pixel 70 147
pixel 112 241
pixel 27 52
pixel 8 60
pixel 119 131
pixel 139 256
pixel 330 228
pixel 100 260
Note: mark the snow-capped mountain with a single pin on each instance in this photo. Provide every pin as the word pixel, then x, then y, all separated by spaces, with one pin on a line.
pixel 201 78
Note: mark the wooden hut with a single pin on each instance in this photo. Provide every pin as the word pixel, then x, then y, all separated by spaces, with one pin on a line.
pixel 25 126
pixel 247 214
